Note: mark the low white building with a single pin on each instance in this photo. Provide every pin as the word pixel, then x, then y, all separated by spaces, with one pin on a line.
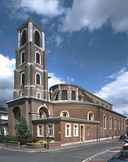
pixel 3 121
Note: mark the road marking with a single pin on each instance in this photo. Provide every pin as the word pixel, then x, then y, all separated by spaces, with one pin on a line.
pixel 94 156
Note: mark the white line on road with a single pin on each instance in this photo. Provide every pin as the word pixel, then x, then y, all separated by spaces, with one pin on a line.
pixel 93 156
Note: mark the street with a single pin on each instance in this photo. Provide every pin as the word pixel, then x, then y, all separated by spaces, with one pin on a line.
pixel 78 154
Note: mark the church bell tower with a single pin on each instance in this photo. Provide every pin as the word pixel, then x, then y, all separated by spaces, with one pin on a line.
pixel 30 75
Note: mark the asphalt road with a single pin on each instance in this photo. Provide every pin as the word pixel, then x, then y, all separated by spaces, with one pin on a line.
pixel 67 155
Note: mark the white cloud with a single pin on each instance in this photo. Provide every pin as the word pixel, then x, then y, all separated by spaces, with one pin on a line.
pixel 116 92
pixel 54 80
pixel 42 7
pixel 93 14
pixel 58 40
pixel 6 78
pixel 7 67
pixel 22 8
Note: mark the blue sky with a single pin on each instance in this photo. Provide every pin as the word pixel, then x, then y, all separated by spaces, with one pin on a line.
pixel 86 44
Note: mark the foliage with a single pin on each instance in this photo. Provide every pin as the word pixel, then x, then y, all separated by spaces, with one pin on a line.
pixel 44 141
pixel 7 138
pixel 1 127
pixel 22 131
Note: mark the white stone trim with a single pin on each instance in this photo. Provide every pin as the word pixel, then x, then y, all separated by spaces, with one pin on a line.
pixel 39 56
pixel 19 39
pixel 69 129
pixel 92 116
pixel 52 130
pixel 83 135
pixel 104 121
pixel 61 113
pixel 40 37
pixel 36 78
pixel 21 56
pixel 30 32
pixel 38 130
pixel 43 41
pixel 21 75
pixel 110 122
pixel 75 131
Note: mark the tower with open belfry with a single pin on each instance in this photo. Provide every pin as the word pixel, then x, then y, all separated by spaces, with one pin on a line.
pixel 30 75
pixel 64 113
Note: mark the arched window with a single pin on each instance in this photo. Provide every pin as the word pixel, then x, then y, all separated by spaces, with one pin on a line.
pixel 17 114
pixel 38 79
pixel 37 38
pixel 23 37
pixel 104 122
pixel 110 122
pixel 22 78
pixel 64 113
pixel 64 95
pixel 90 116
pixel 119 124
pixel 67 130
pixel 38 60
pixel 73 96
pixel 22 57
pixel 115 124
pixel 42 112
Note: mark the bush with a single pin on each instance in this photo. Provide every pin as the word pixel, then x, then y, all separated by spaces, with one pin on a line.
pixel 2 138
pixel 7 138
pixel 11 138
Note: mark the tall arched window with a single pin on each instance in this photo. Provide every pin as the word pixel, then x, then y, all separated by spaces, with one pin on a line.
pixel 38 81
pixel 37 38
pixel 64 95
pixel 110 122
pixel 22 78
pixel 22 57
pixel 73 96
pixel 104 122
pixel 90 116
pixel 119 124
pixel 38 60
pixel 17 114
pixel 23 37
pixel 115 124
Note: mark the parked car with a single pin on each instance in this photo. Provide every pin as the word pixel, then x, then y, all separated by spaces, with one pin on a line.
pixel 122 137
pixel 126 140
pixel 121 156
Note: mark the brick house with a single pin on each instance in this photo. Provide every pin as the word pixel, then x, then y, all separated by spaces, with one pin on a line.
pixel 65 113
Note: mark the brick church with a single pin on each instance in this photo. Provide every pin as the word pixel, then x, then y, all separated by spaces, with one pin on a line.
pixel 65 113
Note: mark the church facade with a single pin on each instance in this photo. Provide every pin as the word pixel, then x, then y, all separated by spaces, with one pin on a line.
pixel 65 113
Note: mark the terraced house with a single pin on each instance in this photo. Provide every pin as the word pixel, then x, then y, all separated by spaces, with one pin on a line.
pixel 65 113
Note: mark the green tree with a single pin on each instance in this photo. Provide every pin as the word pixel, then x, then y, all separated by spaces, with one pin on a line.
pixel 1 127
pixel 22 131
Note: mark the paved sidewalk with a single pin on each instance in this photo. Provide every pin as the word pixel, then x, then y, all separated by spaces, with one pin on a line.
pixel 59 148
